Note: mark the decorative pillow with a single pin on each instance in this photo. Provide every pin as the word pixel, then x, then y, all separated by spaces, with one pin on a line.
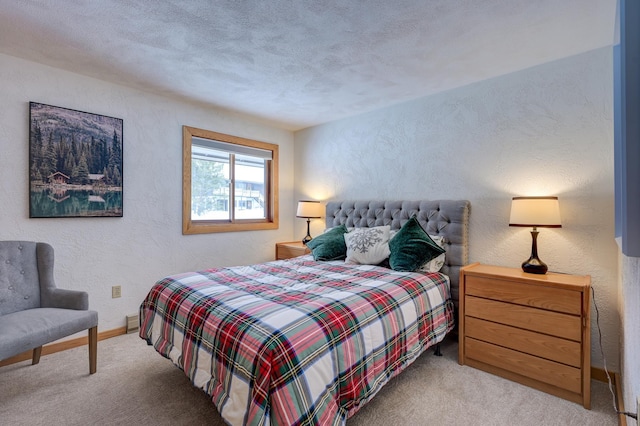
pixel 368 246
pixel 329 245
pixel 434 265
pixel 412 247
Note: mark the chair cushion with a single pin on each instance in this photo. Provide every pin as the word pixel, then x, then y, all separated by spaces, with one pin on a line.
pixel 24 330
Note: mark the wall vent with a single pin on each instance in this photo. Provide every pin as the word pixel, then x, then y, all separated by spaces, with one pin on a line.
pixel 132 323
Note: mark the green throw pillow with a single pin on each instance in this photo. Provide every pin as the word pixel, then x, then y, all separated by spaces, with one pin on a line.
pixel 412 247
pixel 330 245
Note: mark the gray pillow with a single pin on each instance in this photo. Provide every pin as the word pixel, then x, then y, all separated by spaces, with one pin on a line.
pixel 412 247
pixel 330 245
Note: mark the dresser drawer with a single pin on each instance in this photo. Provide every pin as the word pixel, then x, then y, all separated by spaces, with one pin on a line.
pixel 554 299
pixel 534 319
pixel 548 347
pixel 542 370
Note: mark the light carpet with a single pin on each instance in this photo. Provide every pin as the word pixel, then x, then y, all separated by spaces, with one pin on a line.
pixel 136 386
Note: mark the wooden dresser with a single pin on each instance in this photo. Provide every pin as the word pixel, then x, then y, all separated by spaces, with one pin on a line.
pixel 529 328
pixel 290 249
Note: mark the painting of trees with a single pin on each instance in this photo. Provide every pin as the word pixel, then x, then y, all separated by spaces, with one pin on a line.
pixel 75 158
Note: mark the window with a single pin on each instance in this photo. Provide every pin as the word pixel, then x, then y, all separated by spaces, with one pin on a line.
pixel 229 183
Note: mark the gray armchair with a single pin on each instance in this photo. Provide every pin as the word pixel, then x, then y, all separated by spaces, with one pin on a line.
pixel 33 311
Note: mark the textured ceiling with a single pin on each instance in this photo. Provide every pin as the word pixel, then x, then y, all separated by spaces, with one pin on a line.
pixel 298 63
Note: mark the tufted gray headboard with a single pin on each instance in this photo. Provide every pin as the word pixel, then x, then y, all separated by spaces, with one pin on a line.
pixel 449 218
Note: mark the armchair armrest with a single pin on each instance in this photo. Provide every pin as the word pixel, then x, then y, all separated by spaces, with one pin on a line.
pixel 65 299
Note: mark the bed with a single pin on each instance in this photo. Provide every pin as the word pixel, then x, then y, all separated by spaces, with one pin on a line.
pixel 301 341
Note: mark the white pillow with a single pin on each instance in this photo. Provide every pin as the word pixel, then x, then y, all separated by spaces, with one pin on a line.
pixel 368 246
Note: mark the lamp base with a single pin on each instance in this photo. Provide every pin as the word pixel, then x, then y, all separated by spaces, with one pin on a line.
pixel 307 238
pixel 533 265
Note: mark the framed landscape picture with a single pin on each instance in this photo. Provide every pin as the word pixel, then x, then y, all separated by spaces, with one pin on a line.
pixel 75 163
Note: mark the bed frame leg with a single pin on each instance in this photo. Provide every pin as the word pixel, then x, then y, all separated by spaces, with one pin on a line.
pixel 437 351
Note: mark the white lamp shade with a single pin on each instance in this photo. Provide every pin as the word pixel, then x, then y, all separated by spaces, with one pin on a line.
pixel 309 209
pixel 535 211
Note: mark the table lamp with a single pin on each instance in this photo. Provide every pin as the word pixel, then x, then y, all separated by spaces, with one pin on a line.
pixel 536 212
pixel 309 210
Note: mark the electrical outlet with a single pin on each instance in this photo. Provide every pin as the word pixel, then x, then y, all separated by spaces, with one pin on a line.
pixel 116 291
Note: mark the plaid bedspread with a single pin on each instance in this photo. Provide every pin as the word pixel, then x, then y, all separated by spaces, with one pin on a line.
pixel 295 342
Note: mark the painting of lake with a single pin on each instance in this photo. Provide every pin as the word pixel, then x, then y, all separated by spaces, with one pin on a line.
pixel 75 163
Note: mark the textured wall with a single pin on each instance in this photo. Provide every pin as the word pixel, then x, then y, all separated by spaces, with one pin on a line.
pixel 93 254
pixel 546 130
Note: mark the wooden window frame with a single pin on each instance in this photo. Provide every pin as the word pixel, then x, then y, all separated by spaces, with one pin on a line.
pixel 190 226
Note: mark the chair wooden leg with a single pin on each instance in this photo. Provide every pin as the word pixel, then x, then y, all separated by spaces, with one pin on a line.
pixel 93 349
pixel 36 355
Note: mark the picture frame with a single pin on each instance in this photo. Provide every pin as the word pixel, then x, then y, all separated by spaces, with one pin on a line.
pixel 75 163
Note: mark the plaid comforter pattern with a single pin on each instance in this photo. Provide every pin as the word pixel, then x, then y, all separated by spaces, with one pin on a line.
pixel 295 342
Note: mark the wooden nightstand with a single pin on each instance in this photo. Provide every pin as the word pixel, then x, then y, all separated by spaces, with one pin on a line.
pixel 290 249
pixel 532 329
